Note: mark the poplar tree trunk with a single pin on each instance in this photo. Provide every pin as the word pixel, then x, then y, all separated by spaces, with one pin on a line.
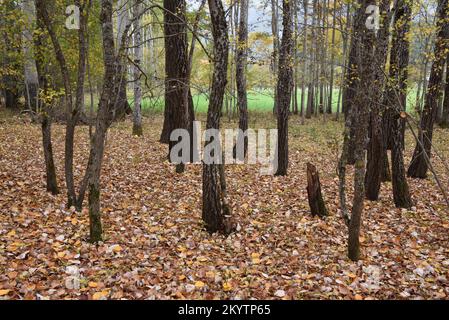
pixel 376 149
pixel 30 75
pixel 331 81
pixel 284 87
pixel 419 165
pixel 276 44
pixel 304 70
pixel 401 45
pixel 176 65
pixel 50 169
pixel 241 69
pixel 216 211
pixel 363 42
pixel 109 94
pixel 123 107
pixel 445 116
pixel 137 118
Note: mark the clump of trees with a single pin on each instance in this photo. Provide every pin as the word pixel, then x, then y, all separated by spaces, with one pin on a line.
pixel 323 46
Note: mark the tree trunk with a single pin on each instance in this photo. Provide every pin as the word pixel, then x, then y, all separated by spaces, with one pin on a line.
pixel 123 107
pixel 363 44
pixel 215 208
pixel 276 44
pixel 30 75
pixel 284 87
pixel 241 69
pixel 376 153
pixel 111 80
pixel 176 65
pixel 50 170
pixel 331 84
pixel 422 154
pixel 316 202
pixel 445 116
pixel 137 118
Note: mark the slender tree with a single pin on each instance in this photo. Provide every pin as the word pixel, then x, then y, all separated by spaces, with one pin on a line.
pixel 30 71
pixel 241 69
pixel 276 45
pixel 422 154
pixel 176 68
pixel 363 55
pixel 445 116
pixel 137 119
pixel 216 211
pixel 284 86
pixel 376 150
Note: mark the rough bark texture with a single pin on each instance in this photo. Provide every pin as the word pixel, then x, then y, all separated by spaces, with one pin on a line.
pixel 422 154
pixel 104 117
pixel 176 65
pixel 401 192
pixel 376 152
pixel 30 71
pixel 284 87
pixel 176 70
pixel 50 169
pixel 395 131
pixel 364 40
pixel 276 44
pixel 215 212
pixel 316 202
pixel 445 116
pixel 241 63
pixel 123 108
pixel 137 116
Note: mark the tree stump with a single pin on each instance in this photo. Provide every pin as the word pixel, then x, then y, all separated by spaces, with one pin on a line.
pixel 316 201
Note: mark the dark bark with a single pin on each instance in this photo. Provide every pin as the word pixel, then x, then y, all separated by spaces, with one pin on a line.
pixel 276 45
pixel 364 56
pixel 419 165
pixel 176 65
pixel 445 115
pixel 112 77
pixel 46 121
pixel 73 112
pixel 376 153
pixel 284 87
pixel 216 211
pixel 241 63
pixel 316 202
pixel 401 192
pixel 50 170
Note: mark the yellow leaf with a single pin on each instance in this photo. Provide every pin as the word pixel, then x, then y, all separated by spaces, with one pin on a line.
pixel 92 284
pixel 61 254
pixel 181 277
pixel 4 292
pixel 116 248
pixel 102 295
pixel 210 274
pixel 11 233
pixel 358 297
pixel 255 257
pixel 227 286
pixel 199 284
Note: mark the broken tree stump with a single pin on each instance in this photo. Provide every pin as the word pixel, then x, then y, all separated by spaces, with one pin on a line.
pixel 316 202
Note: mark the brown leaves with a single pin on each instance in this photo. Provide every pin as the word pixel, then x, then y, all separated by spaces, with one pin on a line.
pixel 155 245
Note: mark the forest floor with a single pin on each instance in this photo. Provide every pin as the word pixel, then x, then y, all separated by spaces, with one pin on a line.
pixel 156 247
